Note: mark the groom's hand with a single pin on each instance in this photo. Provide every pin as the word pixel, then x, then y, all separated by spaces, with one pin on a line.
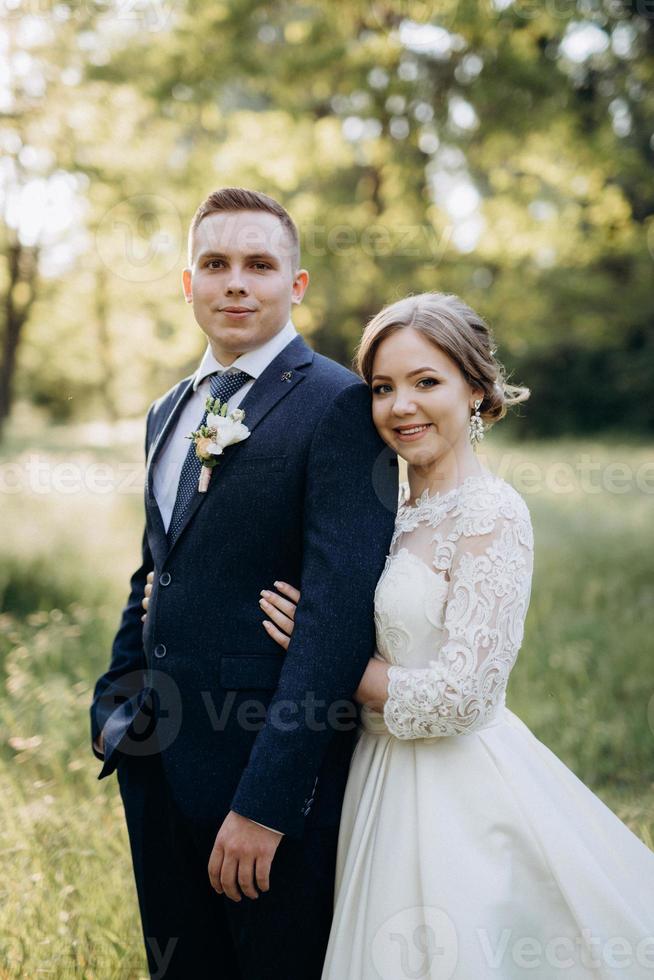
pixel 242 855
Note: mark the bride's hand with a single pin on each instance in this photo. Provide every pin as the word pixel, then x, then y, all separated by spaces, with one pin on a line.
pixel 145 601
pixel 281 609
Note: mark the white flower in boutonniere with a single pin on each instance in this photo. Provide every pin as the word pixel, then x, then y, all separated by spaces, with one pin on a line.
pixel 219 431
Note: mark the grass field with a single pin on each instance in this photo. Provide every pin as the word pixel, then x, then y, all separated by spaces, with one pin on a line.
pixel 72 524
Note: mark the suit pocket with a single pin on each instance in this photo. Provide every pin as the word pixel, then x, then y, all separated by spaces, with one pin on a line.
pixel 263 464
pixel 250 671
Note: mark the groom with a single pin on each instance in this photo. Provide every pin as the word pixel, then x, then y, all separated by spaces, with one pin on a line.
pixel 231 756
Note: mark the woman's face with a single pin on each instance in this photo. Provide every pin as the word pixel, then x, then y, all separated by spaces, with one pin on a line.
pixel 421 402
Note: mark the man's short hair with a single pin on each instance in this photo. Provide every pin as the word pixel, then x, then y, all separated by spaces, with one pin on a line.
pixel 240 199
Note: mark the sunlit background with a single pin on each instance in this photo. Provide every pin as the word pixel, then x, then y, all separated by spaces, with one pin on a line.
pixel 499 150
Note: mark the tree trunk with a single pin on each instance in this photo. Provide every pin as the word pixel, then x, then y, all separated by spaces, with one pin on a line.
pixel 22 263
pixel 107 384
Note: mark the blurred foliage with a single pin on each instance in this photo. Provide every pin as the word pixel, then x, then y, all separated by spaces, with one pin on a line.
pixel 500 150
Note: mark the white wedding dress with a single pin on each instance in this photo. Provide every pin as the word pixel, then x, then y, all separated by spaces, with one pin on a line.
pixel 467 849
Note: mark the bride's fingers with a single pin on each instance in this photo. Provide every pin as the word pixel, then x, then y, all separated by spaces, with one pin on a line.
pixel 282 638
pixel 284 622
pixel 150 577
pixel 288 608
pixel 289 591
pixel 146 598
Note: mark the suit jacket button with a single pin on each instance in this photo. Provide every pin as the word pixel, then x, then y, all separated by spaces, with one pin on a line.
pixel 160 650
pixel 165 578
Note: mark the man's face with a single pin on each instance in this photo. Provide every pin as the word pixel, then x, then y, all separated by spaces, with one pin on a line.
pixel 242 281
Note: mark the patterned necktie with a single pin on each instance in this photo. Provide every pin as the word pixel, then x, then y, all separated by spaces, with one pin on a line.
pixel 223 387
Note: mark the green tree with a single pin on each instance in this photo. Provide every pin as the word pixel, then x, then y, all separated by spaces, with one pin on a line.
pixel 497 149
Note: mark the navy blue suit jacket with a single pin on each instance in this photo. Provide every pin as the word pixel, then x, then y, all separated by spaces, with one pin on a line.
pixel 309 498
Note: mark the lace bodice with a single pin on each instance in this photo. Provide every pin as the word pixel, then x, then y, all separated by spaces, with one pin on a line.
pixel 450 607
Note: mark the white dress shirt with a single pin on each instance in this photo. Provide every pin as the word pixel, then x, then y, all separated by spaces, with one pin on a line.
pixel 165 477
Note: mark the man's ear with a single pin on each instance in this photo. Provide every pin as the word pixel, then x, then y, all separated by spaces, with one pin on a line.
pixel 300 283
pixel 186 285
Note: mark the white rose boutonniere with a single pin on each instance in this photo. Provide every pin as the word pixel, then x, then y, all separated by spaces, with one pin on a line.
pixel 219 431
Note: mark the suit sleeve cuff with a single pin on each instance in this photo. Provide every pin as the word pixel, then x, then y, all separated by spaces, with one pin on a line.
pixel 268 828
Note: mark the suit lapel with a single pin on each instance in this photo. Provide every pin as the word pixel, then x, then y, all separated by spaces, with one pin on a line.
pixel 159 542
pixel 159 442
pixel 279 378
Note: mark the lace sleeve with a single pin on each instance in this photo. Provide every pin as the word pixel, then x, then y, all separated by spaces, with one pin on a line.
pixel 488 596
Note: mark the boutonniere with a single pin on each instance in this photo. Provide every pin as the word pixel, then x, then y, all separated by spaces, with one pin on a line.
pixel 219 431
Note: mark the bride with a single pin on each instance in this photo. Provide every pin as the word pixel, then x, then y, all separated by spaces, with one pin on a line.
pixel 467 849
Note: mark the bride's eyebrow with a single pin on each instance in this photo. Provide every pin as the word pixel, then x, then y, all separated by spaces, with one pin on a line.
pixel 421 370
pixel 411 374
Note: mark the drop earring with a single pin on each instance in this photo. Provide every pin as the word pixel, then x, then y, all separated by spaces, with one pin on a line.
pixel 476 425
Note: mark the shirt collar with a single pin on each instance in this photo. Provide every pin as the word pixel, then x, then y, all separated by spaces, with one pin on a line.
pixel 253 362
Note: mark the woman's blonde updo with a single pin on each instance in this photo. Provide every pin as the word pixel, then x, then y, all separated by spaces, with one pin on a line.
pixel 450 324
